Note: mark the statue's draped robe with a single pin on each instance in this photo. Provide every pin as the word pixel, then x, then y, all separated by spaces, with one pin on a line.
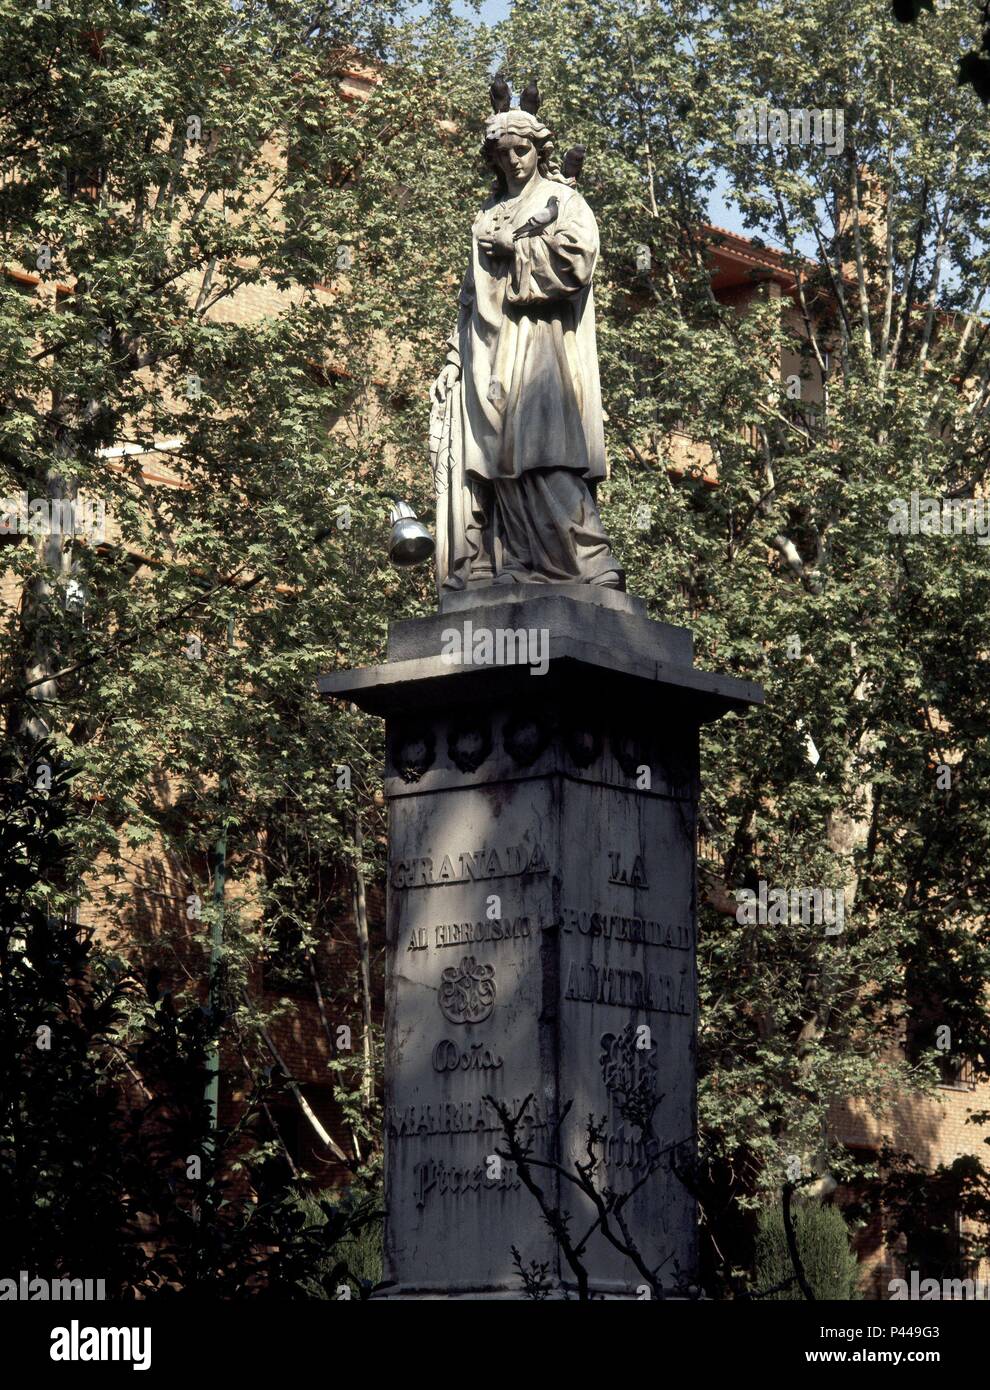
pixel 519 439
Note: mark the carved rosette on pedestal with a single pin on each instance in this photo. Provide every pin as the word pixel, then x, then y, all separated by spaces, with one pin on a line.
pixel 541 931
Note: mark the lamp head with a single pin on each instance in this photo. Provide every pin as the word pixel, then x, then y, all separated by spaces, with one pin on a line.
pixel 410 542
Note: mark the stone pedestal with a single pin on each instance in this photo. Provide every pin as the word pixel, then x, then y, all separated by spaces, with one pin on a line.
pixel 541 928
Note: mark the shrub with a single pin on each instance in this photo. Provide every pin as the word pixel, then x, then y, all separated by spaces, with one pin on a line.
pixel 823 1248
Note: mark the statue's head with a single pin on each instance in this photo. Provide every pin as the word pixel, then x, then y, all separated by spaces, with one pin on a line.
pixel 517 137
pixel 514 153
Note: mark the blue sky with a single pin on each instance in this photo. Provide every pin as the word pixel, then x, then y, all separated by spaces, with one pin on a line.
pixel 491 11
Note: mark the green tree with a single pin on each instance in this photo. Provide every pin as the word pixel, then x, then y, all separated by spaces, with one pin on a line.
pixel 109 1169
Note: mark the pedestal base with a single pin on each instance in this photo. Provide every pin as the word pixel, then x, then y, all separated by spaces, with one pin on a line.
pixel 541 937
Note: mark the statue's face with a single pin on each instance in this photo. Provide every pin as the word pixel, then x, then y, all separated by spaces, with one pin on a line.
pixel 517 157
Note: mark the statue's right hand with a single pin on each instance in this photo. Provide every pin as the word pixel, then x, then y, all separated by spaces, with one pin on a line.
pixel 447 378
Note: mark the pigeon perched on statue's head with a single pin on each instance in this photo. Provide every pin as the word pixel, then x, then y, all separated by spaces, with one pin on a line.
pixel 530 98
pixel 501 94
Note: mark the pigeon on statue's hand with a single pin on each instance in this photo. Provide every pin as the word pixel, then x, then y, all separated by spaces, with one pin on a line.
pixel 539 221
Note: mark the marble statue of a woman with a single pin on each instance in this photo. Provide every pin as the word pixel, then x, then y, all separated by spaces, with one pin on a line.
pixel 516 433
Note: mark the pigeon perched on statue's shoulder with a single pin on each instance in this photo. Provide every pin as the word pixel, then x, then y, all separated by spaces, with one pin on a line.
pixel 539 221
pixel 573 163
